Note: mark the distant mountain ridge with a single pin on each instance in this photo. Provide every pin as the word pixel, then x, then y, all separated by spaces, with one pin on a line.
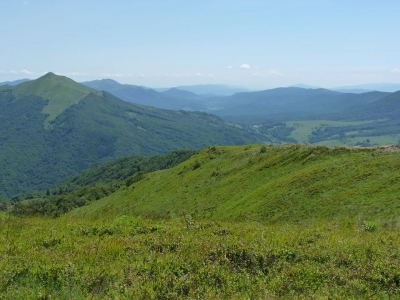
pixel 381 87
pixel 209 89
pixel 15 82
pixel 146 96
pixel 289 102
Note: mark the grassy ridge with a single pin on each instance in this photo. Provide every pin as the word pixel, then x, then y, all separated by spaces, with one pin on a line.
pixel 290 183
pixel 132 258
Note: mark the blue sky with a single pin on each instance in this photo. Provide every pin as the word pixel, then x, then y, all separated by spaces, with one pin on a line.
pixel 254 43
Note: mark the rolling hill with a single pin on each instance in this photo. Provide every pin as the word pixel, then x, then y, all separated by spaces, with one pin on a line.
pixel 273 184
pixel 54 128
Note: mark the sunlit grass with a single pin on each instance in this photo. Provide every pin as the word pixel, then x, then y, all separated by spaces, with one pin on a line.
pixel 133 258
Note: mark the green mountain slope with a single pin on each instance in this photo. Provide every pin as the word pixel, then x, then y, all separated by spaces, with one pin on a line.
pixel 271 184
pixel 60 92
pixel 90 127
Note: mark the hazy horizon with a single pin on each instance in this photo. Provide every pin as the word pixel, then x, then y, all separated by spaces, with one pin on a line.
pixel 250 44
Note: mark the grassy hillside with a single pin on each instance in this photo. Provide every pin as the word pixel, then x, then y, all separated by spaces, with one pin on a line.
pixel 328 228
pixel 286 184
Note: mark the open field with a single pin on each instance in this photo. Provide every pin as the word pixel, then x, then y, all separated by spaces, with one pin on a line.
pixel 303 129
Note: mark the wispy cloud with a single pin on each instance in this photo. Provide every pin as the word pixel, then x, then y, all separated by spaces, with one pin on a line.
pixel 229 67
pixel 245 66
pixel 395 70
pixel 26 72
pixel 14 72
pixel 25 2
pixel 269 73
pixel 204 75
pixel 274 72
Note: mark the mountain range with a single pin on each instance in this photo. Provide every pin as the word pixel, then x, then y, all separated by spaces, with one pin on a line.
pixel 279 103
pixel 208 89
pixel 53 128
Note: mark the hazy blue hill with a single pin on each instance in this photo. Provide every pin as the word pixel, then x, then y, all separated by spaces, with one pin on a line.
pixel 15 82
pixel 174 92
pixel 305 86
pixel 212 89
pixel 146 96
pixel 386 107
pixel 354 91
pixel 382 87
pixel 90 127
pixel 288 103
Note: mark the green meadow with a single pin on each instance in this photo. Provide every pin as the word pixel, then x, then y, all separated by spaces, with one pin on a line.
pixel 183 258
pixel 243 222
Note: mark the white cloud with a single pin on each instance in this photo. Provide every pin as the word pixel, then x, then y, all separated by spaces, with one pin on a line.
pixel 395 70
pixel 274 72
pixel 269 73
pixel 245 66
pixel 13 72
pixel 25 2
pixel 204 75
pixel 229 67
pixel 26 72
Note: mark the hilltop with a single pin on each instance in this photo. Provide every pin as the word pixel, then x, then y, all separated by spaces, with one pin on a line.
pixel 60 93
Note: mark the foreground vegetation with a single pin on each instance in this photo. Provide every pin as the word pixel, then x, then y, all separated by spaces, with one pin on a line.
pixel 134 258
